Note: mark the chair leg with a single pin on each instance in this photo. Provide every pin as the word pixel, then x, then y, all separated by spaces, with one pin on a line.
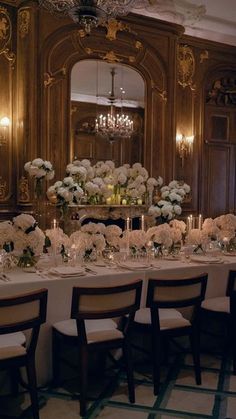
pixel 31 374
pixel 129 370
pixel 14 376
pixel 83 374
pixel 156 356
pixel 195 346
pixel 56 342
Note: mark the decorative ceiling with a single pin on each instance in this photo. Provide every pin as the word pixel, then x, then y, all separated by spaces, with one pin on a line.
pixel 209 19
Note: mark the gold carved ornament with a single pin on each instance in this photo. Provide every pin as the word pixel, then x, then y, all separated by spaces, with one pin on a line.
pixel 50 79
pixel 24 22
pixel 186 66
pixel 3 187
pixel 24 195
pixel 5 36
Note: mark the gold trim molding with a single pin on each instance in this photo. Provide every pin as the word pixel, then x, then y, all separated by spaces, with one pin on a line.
pixel 24 23
pixel 50 79
pixel 186 66
pixel 6 36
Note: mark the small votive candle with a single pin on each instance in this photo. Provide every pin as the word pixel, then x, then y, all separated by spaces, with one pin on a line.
pixel 124 202
pixel 108 201
pixel 139 201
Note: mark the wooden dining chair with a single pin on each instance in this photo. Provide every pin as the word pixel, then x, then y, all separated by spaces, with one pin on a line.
pixel 19 313
pixel 163 319
pixel 222 310
pixel 92 328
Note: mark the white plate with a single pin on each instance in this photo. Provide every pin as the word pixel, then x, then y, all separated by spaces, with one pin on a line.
pixel 229 254
pixel 205 259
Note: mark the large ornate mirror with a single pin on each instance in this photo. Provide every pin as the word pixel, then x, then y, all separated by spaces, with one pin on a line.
pixel 99 89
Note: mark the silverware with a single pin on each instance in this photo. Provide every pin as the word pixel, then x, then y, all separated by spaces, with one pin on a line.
pixel 90 271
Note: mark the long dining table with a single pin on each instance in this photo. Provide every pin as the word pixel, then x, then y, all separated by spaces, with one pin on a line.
pixel 60 291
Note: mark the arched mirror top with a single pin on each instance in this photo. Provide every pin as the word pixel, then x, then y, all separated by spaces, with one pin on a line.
pixel 93 83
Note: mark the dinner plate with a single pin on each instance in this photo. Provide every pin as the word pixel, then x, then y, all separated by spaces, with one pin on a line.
pixel 229 254
pixel 205 259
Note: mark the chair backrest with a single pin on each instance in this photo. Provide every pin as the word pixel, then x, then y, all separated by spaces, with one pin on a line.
pixel 176 293
pixel 22 312
pixel 231 286
pixel 106 302
pixel 231 292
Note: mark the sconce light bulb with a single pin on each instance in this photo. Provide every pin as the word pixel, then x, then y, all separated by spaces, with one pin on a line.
pixel 5 122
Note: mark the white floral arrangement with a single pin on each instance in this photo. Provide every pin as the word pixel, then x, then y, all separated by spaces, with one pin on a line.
pixel 160 236
pixel 6 235
pixel 56 239
pixel 113 236
pixel 223 229
pixel 39 169
pixel 28 239
pixel 135 240
pixel 87 244
pixel 197 238
pixel 64 193
pixel 168 205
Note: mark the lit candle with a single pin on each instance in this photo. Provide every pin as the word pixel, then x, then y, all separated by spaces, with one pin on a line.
pixel 139 201
pixel 128 223
pixel 200 221
pixel 190 222
pixel 124 202
pixel 142 222
pixel 54 224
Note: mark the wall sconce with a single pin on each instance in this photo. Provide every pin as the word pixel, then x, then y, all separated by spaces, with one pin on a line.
pixel 184 146
pixel 4 128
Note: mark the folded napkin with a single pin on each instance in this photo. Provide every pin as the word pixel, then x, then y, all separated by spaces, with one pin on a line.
pixel 134 265
pixel 67 271
pixel 206 259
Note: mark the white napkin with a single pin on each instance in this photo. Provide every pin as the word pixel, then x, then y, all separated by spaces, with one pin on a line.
pixel 134 265
pixel 67 271
pixel 205 259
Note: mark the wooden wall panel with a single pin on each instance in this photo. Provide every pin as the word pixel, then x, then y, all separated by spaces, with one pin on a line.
pixel 217 181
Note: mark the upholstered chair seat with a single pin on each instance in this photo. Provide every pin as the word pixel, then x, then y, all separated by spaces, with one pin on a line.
pixel 169 318
pixel 219 304
pixel 96 330
pixel 12 345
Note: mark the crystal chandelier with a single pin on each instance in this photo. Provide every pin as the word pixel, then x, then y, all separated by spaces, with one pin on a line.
pixel 89 13
pixel 114 126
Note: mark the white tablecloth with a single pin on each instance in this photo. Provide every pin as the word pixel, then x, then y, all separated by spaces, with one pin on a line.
pixel 60 292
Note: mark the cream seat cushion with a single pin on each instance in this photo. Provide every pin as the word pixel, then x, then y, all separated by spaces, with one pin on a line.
pixel 11 345
pixel 169 318
pixel 96 330
pixel 220 304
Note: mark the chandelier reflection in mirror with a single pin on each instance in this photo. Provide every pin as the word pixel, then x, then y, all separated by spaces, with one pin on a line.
pixel 89 13
pixel 114 126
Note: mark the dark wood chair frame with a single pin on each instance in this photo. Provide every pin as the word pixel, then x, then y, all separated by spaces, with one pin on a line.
pixel 193 331
pixel 227 319
pixel 27 360
pixel 80 341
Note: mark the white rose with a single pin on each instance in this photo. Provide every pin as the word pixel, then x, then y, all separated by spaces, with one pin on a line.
pixel 37 162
